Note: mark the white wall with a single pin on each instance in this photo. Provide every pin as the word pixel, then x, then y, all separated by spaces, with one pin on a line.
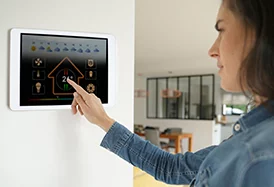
pixel 54 148
pixel 175 35
pixel 202 130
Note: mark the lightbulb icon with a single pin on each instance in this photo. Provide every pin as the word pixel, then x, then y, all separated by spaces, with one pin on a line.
pixel 90 73
pixel 38 87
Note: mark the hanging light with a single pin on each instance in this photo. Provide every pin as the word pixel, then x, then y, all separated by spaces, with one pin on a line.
pixel 140 93
pixel 171 93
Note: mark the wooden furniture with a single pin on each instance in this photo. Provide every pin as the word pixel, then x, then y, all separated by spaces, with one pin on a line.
pixel 177 137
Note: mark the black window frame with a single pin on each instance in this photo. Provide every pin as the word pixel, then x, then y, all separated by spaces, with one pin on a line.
pixel 189 96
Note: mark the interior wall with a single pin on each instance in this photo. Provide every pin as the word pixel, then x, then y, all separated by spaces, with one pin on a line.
pixel 55 148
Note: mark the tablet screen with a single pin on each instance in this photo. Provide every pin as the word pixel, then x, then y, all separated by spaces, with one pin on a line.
pixel 47 61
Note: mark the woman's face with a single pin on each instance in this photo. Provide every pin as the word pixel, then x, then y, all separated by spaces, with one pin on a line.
pixel 228 49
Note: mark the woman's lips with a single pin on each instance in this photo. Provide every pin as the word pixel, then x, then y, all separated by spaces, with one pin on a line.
pixel 220 66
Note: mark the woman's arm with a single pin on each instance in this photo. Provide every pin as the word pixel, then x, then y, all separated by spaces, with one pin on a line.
pixel 169 168
pixel 164 166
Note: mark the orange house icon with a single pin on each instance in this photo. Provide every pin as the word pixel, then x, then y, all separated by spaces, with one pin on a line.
pixel 66 63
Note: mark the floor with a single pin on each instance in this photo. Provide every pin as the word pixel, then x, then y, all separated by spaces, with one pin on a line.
pixel 142 179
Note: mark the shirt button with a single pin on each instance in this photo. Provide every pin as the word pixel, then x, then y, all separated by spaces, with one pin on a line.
pixel 237 127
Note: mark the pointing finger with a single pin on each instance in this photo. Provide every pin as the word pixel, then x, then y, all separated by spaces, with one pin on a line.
pixel 78 89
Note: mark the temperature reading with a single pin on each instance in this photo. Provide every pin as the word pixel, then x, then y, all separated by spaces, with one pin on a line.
pixel 66 78
pixel 62 77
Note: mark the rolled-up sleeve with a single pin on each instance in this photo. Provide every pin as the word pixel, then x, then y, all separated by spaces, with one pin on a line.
pixel 116 138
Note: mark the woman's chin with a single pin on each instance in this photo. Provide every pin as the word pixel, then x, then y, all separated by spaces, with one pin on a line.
pixel 229 86
pixel 220 71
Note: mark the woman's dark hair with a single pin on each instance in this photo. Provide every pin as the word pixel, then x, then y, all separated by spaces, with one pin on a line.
pixel 257 69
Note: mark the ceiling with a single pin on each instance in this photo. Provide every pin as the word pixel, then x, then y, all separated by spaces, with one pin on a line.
pixel 175 35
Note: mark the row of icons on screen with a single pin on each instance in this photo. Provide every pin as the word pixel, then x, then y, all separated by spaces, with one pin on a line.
pixel 39 88
pixel 46 46
pixel 65 49
pixel 41 63
pixel 41 75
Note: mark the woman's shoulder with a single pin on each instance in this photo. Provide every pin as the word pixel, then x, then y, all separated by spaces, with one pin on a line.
pixel 247 145
pixel 258 168
pixel 259 140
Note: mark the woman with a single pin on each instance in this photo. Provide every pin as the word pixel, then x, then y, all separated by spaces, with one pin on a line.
pixel 244 51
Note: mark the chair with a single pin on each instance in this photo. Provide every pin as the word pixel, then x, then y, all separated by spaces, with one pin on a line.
pixel 171 143
pixel 153 135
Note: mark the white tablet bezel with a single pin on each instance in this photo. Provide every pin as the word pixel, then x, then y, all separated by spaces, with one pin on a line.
pixel 15 43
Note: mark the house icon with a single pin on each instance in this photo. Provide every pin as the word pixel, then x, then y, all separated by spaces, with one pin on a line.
pixel 66 69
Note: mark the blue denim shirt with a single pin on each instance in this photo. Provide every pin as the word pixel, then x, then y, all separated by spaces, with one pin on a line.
pixel 244 160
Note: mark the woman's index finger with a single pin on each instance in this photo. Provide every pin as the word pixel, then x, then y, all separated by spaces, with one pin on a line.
pixel 78 88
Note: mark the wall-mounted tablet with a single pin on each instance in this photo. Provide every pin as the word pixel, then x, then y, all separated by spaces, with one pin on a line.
pixel 41 61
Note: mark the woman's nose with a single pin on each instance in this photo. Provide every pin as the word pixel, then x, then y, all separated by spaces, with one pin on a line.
pixel 214 50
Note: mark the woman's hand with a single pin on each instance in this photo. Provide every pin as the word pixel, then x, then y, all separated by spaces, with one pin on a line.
pixel 90 106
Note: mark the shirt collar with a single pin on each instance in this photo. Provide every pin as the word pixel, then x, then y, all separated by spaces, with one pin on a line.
pixel 252 118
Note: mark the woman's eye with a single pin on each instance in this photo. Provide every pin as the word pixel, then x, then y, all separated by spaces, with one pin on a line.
pixel 220 30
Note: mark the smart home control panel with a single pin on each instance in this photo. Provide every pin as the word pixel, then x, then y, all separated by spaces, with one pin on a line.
pixel 41 62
